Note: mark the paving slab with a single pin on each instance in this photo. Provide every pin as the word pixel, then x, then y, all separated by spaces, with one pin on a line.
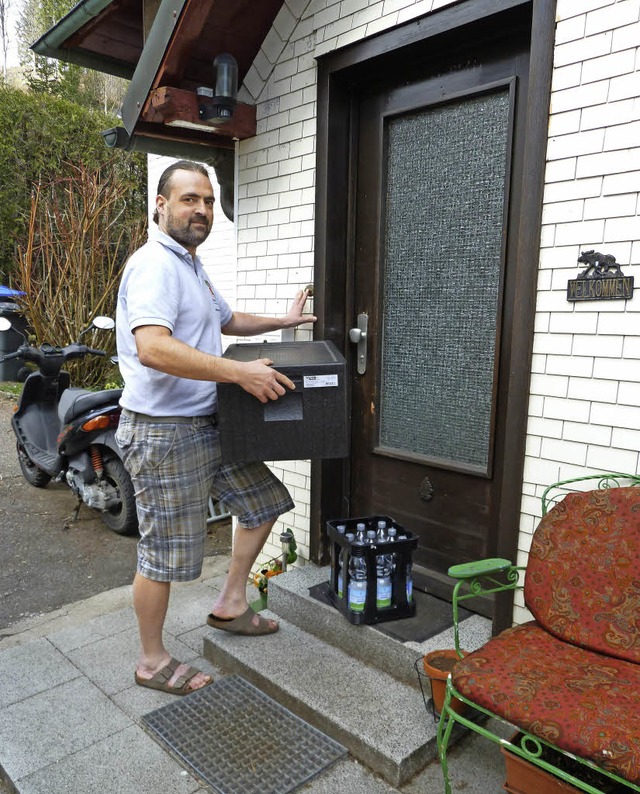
pixel 51 725
pixel 110 663
pixel 28 670
pixel 350 777
pixel 127 762
pixel 70 639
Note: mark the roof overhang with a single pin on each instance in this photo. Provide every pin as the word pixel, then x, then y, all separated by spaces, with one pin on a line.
pixel 166 49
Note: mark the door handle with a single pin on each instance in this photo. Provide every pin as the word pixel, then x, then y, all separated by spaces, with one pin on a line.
pixel 358 336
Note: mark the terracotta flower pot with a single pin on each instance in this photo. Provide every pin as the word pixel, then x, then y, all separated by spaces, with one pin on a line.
pixel 525 778
pixel 438 665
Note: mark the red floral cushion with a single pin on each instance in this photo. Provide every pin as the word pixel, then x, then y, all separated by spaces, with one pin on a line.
pixel 583 574
pixel 580 701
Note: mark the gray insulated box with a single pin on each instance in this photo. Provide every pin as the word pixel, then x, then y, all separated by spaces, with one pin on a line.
pixel 310 422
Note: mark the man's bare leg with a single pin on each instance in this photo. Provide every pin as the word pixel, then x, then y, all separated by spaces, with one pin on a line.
pixel 151 601
pixel 247 544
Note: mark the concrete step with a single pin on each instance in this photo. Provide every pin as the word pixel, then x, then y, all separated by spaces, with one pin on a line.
pixel 289 598
pixel 382 721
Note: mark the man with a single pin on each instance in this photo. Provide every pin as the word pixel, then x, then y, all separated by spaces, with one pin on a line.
pixel 169 320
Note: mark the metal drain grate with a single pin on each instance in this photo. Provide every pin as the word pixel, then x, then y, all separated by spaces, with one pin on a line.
pixel 238 740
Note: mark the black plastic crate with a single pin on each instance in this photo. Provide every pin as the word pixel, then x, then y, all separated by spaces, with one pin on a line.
pixel 341 548
pixel 309 422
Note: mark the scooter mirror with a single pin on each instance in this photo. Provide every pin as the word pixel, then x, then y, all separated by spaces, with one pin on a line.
pixel 104 323
pixel 5 324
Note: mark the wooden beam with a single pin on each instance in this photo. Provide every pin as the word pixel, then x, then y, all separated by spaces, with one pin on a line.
pixel 185 36
pixel 204 138
pixel 149 11
pixel 187 31
pixel 169 105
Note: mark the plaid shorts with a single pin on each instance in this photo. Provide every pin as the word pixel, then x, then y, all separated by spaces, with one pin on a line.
pixel 174 469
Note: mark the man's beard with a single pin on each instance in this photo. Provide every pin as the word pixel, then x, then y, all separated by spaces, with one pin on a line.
pixel 185 232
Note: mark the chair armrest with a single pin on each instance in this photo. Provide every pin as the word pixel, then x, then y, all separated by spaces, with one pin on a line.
pixel 477 578
pixel 468 570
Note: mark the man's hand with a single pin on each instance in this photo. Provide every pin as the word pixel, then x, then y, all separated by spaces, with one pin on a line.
pixel 242 324
pixel 295 314
pixel 263 382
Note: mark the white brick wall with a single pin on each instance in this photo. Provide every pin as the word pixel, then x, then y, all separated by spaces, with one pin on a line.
pixel 584 408
pixel 591 201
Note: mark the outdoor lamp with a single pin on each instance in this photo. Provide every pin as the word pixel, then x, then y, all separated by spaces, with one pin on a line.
pixel 216 104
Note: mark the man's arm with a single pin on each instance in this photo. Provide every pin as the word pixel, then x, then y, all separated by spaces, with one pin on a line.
pixel 242 324
pixel 158 349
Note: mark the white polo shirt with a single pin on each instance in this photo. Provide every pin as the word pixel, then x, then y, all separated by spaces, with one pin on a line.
pixel 162 285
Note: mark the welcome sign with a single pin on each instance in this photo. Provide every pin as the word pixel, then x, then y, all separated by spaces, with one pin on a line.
pixel 602 279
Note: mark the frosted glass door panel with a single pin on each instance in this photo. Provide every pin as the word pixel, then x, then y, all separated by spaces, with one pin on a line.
pixel 445 192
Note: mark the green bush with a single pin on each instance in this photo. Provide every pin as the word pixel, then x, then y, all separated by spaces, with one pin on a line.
pixel 41 138
pixel 79 239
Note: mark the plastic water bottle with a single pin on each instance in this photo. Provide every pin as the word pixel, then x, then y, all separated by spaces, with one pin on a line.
pixel 350 538
pixel 383 569
pixel 383 536
pixel 357 590
pixel 408 574
pixel 391 537
pixel 341 530
pixel 361 532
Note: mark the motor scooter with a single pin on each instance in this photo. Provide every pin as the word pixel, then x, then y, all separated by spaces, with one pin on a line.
pixel 67 434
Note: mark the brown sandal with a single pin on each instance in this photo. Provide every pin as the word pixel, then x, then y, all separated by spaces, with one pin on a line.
pixel 243 624
pixel 160 680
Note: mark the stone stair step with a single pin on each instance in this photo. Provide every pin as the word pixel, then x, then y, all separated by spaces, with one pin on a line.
pixel 289 598
pixel 382 722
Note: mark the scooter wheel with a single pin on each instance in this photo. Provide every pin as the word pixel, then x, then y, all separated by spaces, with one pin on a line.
pixel 122 519
pixel 32 474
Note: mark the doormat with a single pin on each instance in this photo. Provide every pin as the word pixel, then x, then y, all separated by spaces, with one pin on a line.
pixel 237 740
pixel 433 616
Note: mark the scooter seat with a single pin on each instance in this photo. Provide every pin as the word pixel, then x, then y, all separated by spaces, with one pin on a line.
pixel 75 402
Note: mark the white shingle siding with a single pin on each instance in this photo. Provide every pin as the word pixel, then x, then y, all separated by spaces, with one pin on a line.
pixel 584 410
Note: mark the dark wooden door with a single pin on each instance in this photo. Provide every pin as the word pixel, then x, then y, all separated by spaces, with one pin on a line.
pixel 434 273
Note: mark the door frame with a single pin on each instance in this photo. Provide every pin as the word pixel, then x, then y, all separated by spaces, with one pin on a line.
pixel 341 76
